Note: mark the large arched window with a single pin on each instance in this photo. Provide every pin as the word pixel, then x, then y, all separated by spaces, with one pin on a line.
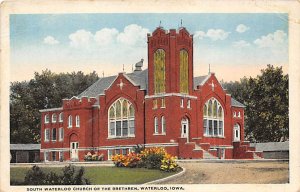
pixel 121 119
pixel 159 71
pixel 184 71
pixel 213 118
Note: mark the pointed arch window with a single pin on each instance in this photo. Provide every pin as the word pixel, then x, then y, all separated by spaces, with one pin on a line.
pixel 121 119
pixel 213 118
pixel 159 71
pixel 61 117
pixel 163 125
pixel 77 118
pixel 155 125
pixel 184 71
pixel 70 121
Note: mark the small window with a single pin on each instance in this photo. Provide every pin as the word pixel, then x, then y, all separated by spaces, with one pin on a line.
pixel 163 125
pixel 54 117
pixel 109 154
pixel 181 103
pixel 118 151
pixel 46 156
pixel 70 121
pixel 124 151
pixel 155 104
pixel 163 104
pixel 54 134
pixel 189 104
pixel 61 134
pixel 53 155
pixel 47 118
pixel 61 117
pixel 239 114
pixel 77 121
pixel 234 114
pixel 155 125
pixel 47 135
pixel 61 156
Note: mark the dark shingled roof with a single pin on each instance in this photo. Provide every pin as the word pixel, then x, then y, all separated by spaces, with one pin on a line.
pixel 198 80
pixel 138 77
pixel 235 103
pixel 25 147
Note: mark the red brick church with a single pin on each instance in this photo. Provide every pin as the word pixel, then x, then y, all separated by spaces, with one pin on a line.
pixel 162 106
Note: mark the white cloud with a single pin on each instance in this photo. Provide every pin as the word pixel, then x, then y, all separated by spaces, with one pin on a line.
pixel 273 40
pixel 240 44
pixel 213 34
pixel 200 34
pixel 106 36
pixel 133 35
pixel 50 40
pixel 241 28
pixel 80 38
pixel 217 34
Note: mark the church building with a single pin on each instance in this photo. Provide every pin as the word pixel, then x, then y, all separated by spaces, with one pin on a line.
pixel 162 106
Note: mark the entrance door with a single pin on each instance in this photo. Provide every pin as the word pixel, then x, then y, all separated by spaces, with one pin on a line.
pixel 185 129
pixel 236 132
pixel 74 151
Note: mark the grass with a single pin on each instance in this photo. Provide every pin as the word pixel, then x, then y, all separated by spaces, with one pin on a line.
pixel 102 175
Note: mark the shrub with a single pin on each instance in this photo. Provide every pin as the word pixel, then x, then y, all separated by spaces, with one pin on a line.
pixel 35 176
pixel 151 158
pixel 70 176
pixel 168 163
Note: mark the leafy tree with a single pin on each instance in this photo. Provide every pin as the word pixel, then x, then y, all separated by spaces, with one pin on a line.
pixel 45 90
pixel 266 100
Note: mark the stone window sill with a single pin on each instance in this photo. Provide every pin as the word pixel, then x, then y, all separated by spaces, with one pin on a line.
pixel 159 134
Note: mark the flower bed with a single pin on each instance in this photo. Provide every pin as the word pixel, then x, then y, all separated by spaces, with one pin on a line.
pixel 93 157
pixel 151 158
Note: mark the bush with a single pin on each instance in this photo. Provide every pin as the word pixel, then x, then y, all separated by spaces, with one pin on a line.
pixel 169 163
pixel 35 176
pixel 151 158
pixel 93 157
pixel 70 176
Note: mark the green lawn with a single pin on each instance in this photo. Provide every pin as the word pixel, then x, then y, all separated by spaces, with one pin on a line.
pixel 102 175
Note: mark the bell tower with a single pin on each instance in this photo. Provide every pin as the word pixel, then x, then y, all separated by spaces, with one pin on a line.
pixel 170 61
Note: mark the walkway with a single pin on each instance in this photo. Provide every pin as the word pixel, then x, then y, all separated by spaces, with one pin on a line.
pixel 251 172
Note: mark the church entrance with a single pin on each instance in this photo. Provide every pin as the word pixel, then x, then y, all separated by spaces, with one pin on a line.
pixel 74 151
pixel 185 129
pixel 236 132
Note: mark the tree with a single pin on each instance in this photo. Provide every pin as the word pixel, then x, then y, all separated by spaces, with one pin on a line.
pixel 266 100
pixel 45 91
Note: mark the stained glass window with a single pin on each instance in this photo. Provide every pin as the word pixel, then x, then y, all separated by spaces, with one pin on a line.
pixel 184 72
pixel 159 71
pixel 121 119
pixel 213 118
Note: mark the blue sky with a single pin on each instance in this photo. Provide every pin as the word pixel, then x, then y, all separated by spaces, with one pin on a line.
pixel 235 45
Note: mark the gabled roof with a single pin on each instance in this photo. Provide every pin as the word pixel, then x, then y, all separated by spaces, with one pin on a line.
pixel 200 80
pixel 139 78
pixel 235 103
